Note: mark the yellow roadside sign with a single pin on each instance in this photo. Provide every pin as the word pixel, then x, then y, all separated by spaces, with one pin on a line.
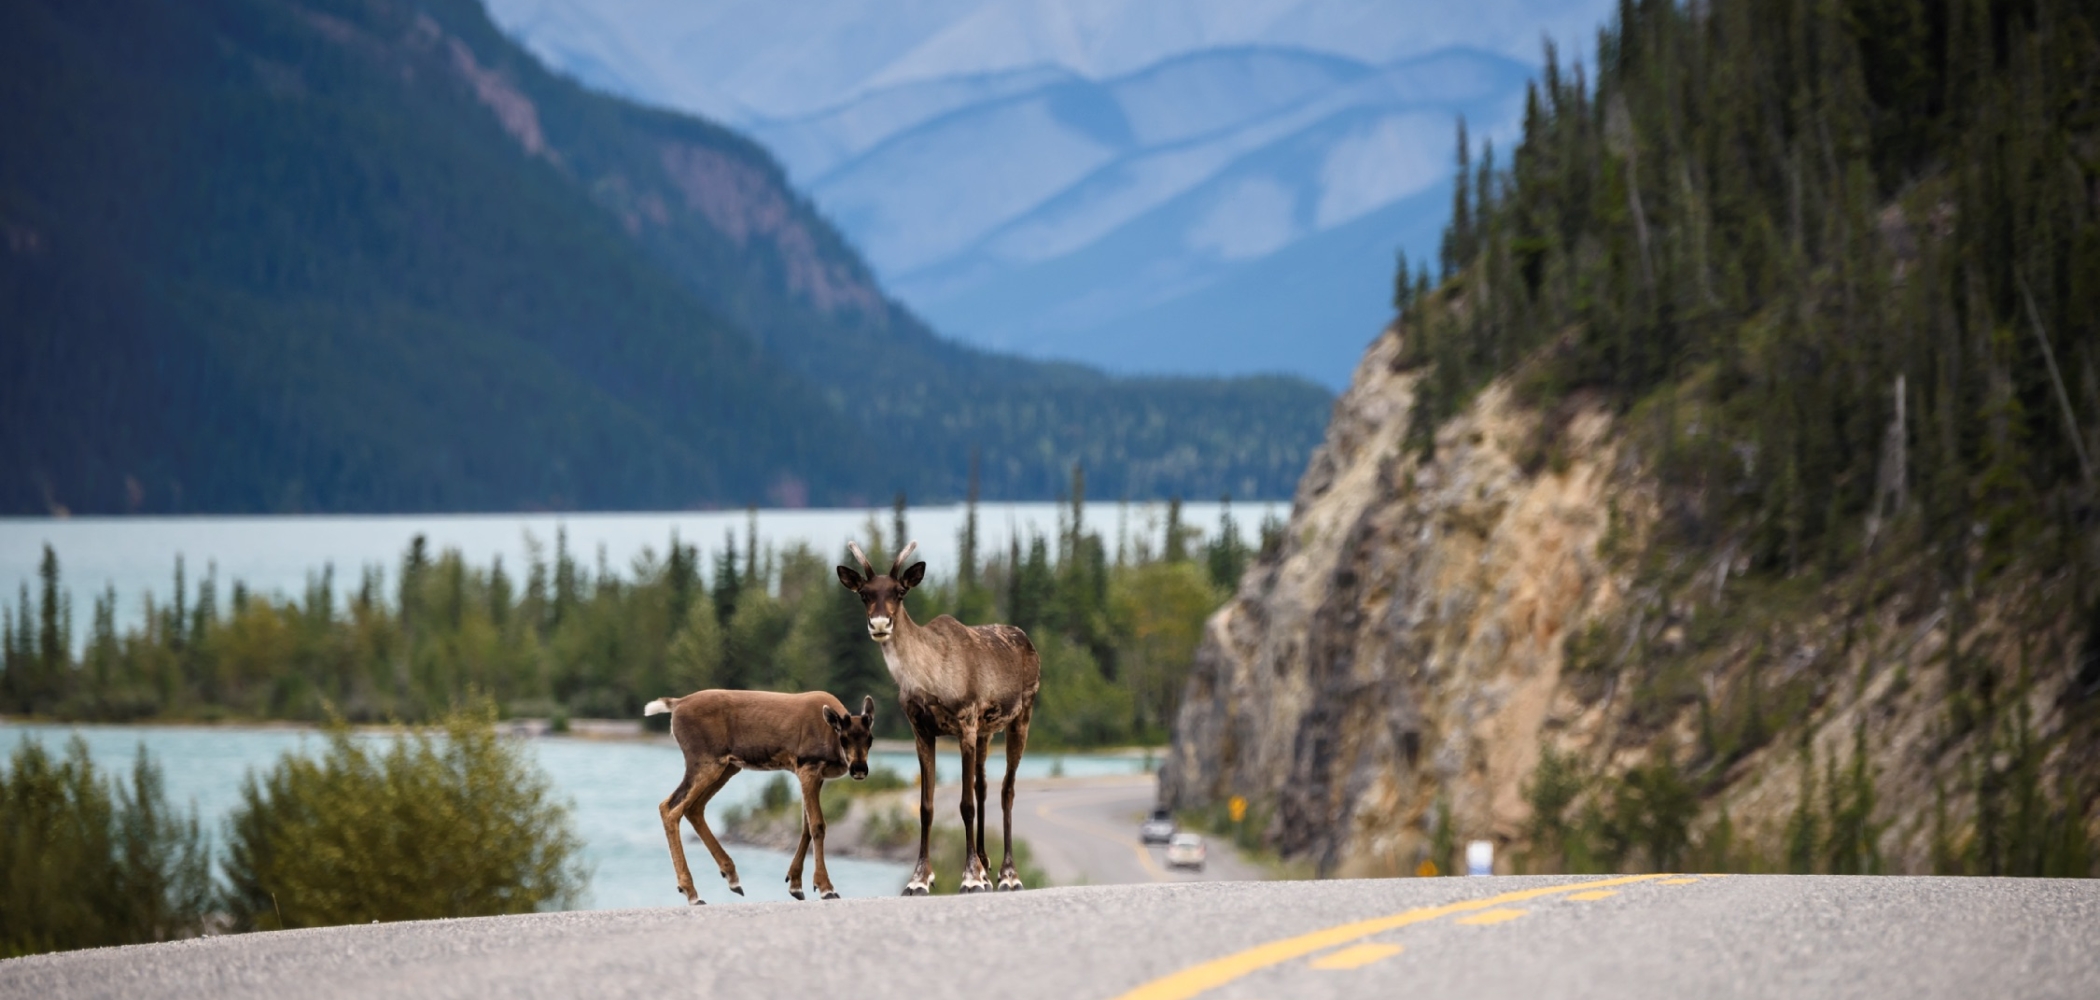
pixel 1238 808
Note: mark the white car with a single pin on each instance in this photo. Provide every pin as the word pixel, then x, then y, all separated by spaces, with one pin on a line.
pixel 1159 829
pixel 1185 851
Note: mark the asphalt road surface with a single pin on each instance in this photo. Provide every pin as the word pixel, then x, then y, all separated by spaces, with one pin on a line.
pixel 1084 831
pixel 1478 938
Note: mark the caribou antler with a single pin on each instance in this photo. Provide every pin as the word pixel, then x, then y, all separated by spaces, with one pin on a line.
pixel 866 570
pixel 897 568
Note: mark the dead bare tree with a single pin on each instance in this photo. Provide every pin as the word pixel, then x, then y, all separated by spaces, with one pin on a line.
pixel 959 680
pixel 723 732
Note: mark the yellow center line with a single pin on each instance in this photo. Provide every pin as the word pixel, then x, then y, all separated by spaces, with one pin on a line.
pixel 1144 856
pixel 1355 956
pixel 1678 881
pixel 1599 894
pixel 1198 979
pixel 1492 917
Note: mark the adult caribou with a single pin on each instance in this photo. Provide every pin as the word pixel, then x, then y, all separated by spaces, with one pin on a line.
pixel 957 680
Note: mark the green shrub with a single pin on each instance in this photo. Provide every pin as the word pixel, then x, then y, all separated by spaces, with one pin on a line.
pixel 777 795
pixel 1554 786
pixel 86 863
pixel 452 823
pixel 891 828
pixel 1649 817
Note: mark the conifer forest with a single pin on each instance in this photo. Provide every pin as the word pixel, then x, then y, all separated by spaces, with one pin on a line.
pixel 1835 265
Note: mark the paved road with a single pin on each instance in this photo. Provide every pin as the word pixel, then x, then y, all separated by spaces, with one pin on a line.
pixel 1085 832
pixel 1480 939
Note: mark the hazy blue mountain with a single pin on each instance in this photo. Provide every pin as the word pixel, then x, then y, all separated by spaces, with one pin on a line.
pixel 817 144
pixel 1103 151
pixel 983 152
pixel 1276 243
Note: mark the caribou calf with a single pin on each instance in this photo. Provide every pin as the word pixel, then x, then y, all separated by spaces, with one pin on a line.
pixel 723 732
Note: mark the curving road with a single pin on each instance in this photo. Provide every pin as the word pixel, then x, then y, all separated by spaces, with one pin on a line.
pixel 1084 831
pixel 1488 938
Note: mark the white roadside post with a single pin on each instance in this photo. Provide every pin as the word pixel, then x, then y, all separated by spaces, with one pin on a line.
pixel 1480 858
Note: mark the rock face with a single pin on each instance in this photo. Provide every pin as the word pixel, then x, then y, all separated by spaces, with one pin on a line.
pixel 1384 682
pixel 1405 642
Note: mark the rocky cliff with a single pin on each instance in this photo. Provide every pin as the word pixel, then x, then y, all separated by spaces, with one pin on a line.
pixel 1483 638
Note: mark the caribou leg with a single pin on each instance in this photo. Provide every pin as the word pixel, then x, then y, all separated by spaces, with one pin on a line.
pixel 687 800
pixel 813 832
pixel 984 749
pixel 696 814
pixel 1016 742
pixel 794 879
pixel 921 881
pixel 973 879
pixel 670 811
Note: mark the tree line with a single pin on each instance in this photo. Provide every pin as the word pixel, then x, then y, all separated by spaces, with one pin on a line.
pixel 1116 620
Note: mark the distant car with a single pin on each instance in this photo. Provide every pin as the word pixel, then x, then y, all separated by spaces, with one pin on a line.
pixel 1185 850
pixel 1159 829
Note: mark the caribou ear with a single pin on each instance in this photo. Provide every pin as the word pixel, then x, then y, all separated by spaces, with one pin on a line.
pixel 831 715
pixel 913 576
pixel 867 710
pixel 850 580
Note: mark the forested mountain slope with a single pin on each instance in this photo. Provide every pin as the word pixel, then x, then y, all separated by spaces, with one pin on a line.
pixel 368 255
pixel 1730 503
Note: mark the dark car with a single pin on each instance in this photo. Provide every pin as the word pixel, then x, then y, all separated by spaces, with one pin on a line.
pixel 1159 829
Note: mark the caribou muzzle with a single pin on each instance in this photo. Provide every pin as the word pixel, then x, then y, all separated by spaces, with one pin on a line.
pixel 880 628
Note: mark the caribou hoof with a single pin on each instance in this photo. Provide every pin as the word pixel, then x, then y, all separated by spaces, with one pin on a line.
pixel 916 889
pixel 974 885
pixel 1010 883
pixel 831 894
pixel 797 893
pixel 696 901
pixel 739 890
